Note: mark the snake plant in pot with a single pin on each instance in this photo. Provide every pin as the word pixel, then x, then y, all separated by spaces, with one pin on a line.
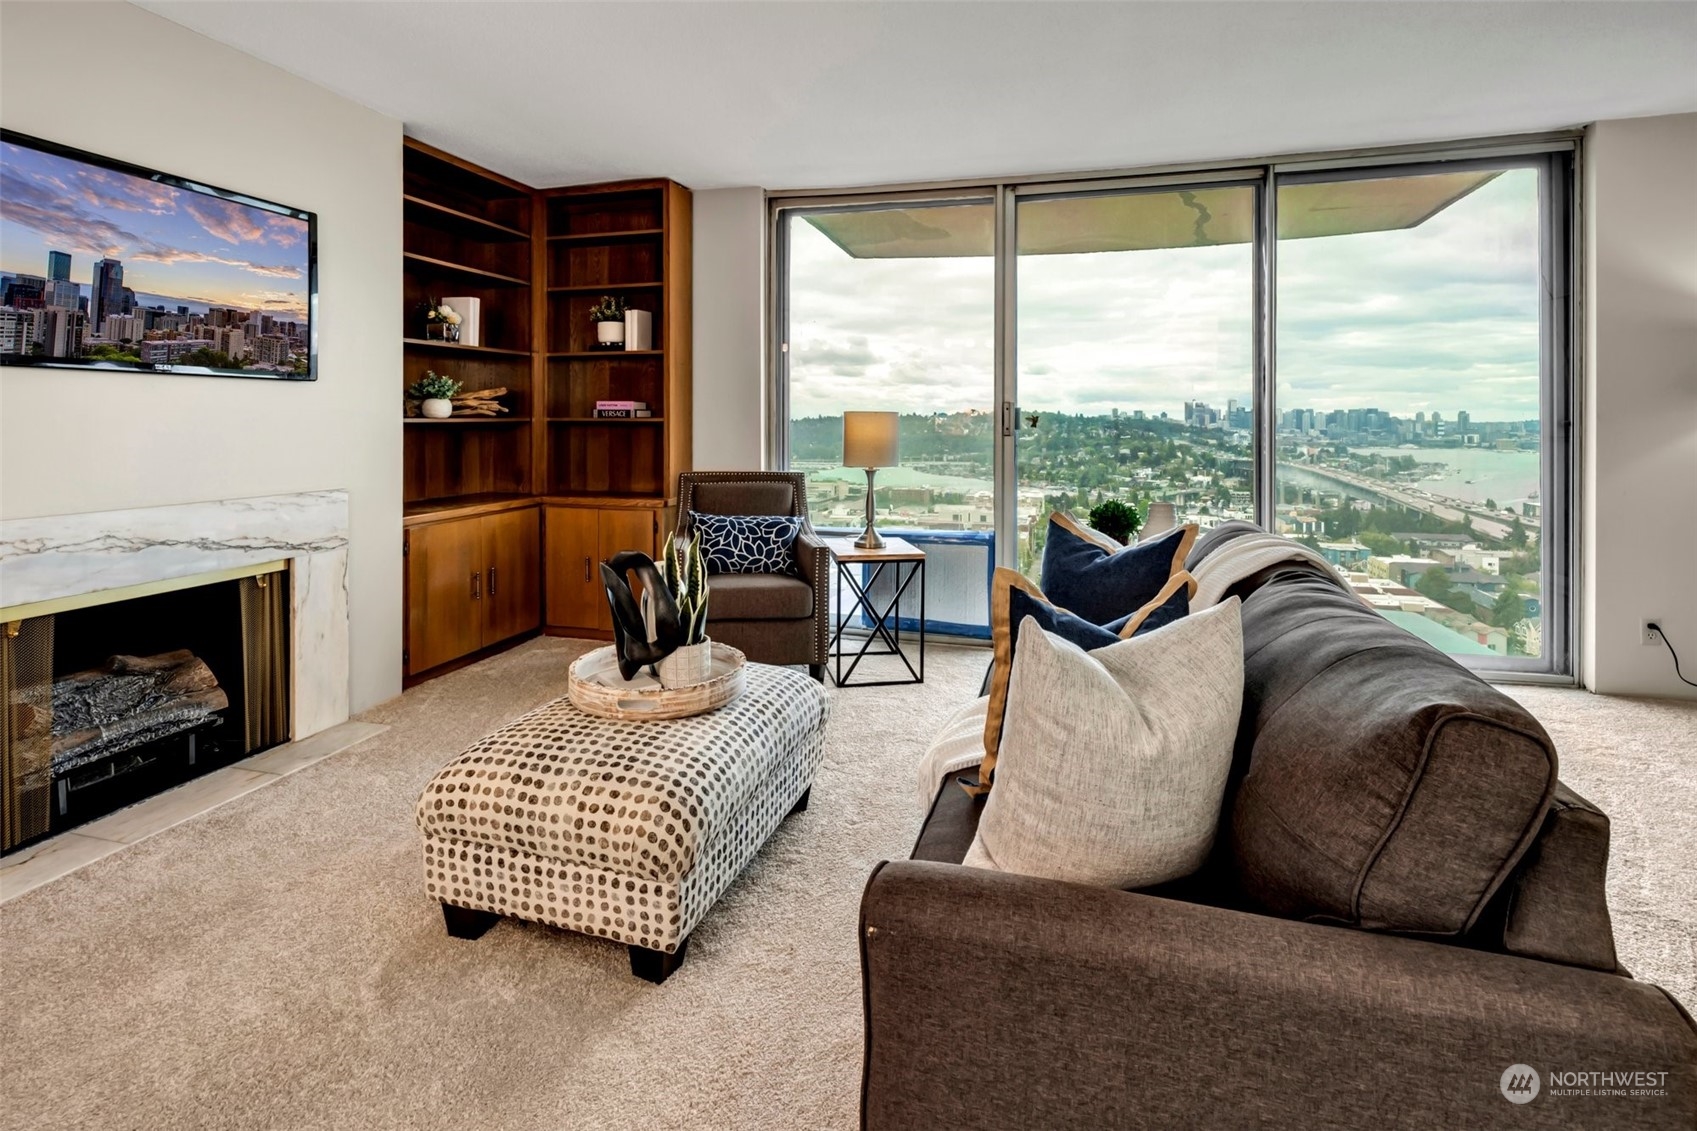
pixel 683 567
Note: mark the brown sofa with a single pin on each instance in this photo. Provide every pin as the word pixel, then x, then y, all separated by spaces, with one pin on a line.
pixel 1403 903
pixel 772 618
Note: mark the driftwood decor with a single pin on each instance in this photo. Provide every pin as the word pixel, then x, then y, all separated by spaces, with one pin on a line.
pixel 478 402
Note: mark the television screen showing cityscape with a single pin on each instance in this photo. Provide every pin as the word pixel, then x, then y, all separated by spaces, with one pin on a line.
pixel 111 266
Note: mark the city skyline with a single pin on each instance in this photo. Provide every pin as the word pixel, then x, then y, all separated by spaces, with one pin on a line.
pixel 178 247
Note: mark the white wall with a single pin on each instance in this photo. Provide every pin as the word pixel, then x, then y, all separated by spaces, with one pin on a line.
pixel 1640 498
pixel 121 82
pixel 730 328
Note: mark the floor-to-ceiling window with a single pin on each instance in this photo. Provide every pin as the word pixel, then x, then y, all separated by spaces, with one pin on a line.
pixel 892 309
pixel 1413 363
pixel 1369 358
pixel 1135 323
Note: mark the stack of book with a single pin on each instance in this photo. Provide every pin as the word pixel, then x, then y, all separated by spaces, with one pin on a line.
pixel 621 410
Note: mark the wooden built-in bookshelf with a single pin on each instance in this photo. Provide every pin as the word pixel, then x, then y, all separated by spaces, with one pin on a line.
pixel 539 261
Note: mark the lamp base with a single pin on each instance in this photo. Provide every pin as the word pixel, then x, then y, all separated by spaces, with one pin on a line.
pixel 870 539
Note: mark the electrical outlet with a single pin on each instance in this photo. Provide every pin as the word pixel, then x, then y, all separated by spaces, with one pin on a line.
pixel 1651 634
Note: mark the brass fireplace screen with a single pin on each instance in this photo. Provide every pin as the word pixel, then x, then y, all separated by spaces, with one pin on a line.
pixel 33 749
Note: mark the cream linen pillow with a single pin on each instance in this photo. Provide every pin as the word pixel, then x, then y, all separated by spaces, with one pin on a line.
pixel 1113 762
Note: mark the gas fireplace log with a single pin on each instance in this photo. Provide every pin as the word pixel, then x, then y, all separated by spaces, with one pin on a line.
pixel 128 701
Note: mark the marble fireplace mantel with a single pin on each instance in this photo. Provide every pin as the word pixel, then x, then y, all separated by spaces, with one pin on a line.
pixel 44 559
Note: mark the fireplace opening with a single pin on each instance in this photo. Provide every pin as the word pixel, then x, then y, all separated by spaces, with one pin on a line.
pixel 111 702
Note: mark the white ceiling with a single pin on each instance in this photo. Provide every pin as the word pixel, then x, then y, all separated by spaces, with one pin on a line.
pixel 787 95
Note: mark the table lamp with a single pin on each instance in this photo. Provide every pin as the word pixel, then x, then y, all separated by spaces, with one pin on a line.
pixel 871 440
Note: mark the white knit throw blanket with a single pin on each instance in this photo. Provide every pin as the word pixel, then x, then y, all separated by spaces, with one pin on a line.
pixel 1248 554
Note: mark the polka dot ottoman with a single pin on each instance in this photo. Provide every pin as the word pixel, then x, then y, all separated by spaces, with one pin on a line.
pixel 625 830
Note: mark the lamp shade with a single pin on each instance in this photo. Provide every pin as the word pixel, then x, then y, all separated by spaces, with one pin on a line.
pixel 871 439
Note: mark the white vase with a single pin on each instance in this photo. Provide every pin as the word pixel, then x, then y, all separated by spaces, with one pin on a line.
pixel 688 666
pixel 437 408
pixel 610 333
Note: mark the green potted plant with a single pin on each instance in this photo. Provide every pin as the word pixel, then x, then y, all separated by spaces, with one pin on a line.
pixel 683 567
pixel 609 317
pixel 436 394
pixel 1117 520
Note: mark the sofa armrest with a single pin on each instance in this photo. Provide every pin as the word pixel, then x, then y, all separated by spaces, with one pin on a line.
pixel 995 1000
pixel 814 558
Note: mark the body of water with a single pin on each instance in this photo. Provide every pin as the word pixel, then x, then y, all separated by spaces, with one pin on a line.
pixel 1474 474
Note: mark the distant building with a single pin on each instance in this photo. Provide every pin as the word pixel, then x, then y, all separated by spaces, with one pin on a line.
pixel 271 350
pixel 121 326
pixel 165 352
pixel 1346 554
pixel 62 331
pixel 59 266
pixel 25 292
pixel 1400 567
pixel 18 330
pixel 106 296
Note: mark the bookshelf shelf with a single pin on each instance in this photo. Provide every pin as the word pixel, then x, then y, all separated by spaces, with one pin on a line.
pixel 420 210
pixel 609 237
pixel 455 347
pixel 446 267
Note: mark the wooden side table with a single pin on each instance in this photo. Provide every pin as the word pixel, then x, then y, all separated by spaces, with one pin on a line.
pixel 886 623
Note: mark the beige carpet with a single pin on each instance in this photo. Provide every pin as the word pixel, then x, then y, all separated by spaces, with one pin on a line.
pixel 274 963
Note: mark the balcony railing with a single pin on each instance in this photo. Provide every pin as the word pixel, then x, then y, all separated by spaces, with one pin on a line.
pixel 958 567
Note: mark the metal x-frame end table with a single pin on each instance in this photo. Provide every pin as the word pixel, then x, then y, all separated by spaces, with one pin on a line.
pixel 886 625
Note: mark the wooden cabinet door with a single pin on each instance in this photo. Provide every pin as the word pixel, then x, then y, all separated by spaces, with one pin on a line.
pixel 444 587
pixel 573 543
pixel 512 561
pixel 623 528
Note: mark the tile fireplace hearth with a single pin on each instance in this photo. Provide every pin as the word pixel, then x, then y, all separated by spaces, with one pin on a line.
pixel 141 648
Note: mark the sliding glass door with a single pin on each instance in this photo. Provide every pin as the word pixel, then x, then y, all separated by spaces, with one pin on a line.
pixel 1415 366
pixel 1135 342
pixel 891 308
pixel 1371 358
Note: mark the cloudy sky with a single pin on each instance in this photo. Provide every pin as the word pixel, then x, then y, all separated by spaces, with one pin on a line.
pixel 1439 317
pixel 175 245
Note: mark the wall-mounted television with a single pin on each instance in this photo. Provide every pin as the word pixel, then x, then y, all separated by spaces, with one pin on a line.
pixel 108 265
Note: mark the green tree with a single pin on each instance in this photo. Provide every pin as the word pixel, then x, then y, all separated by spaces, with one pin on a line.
pixel 1435 583
pixel 1517 533
pixel 1510 607
pixel 107 352
pixel 1382 545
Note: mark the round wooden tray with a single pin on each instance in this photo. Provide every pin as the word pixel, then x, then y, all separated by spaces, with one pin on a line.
pixel 596 688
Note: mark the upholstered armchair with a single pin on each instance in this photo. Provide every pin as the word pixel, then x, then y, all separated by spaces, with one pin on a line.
pixel 772 618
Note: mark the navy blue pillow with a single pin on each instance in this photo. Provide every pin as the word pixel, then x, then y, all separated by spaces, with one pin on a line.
pixel 1013 598
pixel 1082 575
pixel 736 543
pixel 1058 621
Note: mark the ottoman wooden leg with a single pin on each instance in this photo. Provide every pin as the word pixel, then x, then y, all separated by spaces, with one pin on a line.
pixel 801 804
pixel 464 923
pixel 656 965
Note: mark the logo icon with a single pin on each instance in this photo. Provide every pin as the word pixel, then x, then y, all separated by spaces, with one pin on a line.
pixel 1520 1084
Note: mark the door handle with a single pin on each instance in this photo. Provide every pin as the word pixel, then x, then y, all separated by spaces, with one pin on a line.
pixel 476 585
pixel 586 568
pixel 491 581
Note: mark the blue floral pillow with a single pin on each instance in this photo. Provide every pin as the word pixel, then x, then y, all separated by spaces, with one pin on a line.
pixel 736 543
